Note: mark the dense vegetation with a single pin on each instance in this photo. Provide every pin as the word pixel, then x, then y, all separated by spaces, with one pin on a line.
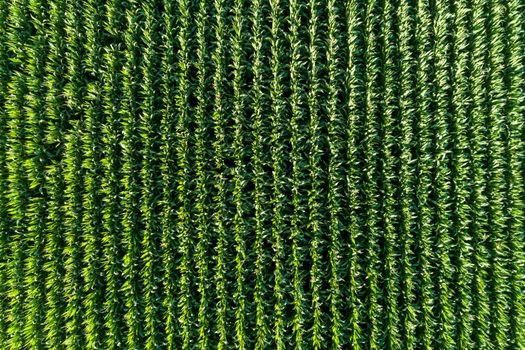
pixel 267 174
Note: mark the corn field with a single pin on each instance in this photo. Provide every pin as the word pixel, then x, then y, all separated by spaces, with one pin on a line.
pixel 262 174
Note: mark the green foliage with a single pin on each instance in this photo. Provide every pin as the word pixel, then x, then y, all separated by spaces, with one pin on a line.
pixel 289 174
